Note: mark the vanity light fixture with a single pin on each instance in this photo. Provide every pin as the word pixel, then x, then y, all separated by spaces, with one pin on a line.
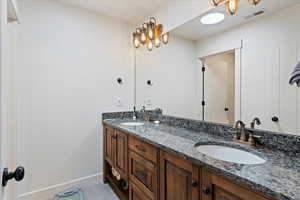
pixel 150 34
pixel 232 5
pixel 212 18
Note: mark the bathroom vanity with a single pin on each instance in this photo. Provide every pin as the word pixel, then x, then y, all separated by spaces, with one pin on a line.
pixel 162 162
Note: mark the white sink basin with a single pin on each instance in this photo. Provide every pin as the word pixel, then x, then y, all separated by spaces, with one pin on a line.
pixel 132 124
pixel 230 154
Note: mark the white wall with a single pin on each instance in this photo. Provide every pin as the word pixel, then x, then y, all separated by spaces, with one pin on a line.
pixel 176 75
pixel 66 62
pixel 269 54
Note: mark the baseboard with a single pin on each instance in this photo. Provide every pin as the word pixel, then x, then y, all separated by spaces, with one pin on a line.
pixel 49 192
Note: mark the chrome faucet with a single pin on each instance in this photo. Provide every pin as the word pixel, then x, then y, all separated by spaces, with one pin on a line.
pixel 245 137
pixel 134 113
pixel 145 114
pixel 256 121
pixel 241 125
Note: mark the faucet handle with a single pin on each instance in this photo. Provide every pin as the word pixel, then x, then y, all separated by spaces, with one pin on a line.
pixel 235 134
pixel 251 140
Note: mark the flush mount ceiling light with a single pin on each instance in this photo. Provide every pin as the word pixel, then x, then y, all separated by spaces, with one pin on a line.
pixel 150 34
pixel 212 18
pixel 232 5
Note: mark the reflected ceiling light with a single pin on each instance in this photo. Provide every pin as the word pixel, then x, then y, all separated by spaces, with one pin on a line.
pixel 150 34
pixel 212 18
pixel 232 5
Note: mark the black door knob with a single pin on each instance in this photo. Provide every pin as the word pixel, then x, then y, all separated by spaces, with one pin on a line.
pixel 18 175
pixel 206 191
pixel 194 183
pixel 275 119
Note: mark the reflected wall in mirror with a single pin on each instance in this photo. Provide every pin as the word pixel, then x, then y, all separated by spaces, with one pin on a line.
pixel 248 60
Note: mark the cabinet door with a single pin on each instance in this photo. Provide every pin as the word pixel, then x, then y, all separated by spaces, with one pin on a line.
pixel 217 188
pixel 179 178
pixel 121 161
pixel 136 194
pixel 109 145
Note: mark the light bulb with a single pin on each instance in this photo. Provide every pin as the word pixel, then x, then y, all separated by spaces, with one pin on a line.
pixel 151 33
pixel 165 38
pixel 254 2
pixel 150 45
pixel 136 41
pixel 151 28
pixel 143 37
pixel 232 6
pixel 158 30
pixel 157 42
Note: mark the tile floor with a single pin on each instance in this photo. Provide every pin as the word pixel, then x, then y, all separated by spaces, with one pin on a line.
pixel 98 192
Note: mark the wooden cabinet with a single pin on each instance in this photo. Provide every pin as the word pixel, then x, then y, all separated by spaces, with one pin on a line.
pixel 109 145
pixel 116 150
pixel 217 188
pixel 155 174
pixel 179 179
pixel 121 155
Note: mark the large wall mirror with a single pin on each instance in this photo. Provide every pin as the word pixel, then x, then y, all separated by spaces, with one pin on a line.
pixel 238 68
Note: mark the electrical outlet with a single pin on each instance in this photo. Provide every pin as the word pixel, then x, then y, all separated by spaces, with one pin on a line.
pixel 148 102
pixel 119 102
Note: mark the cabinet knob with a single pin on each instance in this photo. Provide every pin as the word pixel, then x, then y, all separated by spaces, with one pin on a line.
pixel 206 191
pixel 194 183
pixel 275 119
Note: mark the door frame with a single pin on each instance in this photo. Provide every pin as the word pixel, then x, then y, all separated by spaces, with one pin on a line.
pixel 7 154
pixel 237 48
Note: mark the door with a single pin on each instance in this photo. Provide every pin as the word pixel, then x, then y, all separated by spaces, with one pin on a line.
pixel 179 178
pixel 7 193
pixel 217 188
pixel 7 151
pixel 109 138
pixel 121 159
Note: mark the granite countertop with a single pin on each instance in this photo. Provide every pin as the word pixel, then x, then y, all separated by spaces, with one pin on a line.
pixel 278 177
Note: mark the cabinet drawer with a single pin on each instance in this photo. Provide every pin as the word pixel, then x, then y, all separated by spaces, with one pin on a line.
pixel 143 174
pixel 146 150
pixel 136 193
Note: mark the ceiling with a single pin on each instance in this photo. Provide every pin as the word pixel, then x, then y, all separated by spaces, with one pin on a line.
pixel 194 30
pixel 131 11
